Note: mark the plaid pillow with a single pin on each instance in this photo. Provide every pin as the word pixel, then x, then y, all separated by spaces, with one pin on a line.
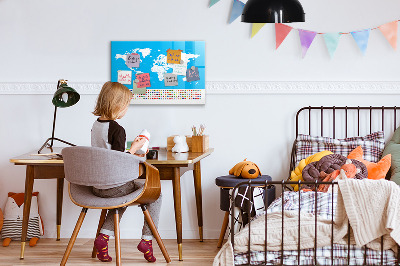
pixel 372 145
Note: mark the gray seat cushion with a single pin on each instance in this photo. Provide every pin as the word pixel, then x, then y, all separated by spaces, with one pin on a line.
pixel 83 196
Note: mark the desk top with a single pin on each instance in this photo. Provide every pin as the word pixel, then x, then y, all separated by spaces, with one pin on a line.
pixel 164 157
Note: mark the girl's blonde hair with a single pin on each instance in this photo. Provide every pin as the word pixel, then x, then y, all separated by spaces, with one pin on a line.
pixel 112 99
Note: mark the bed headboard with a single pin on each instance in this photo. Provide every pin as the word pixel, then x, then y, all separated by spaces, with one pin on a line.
pixel 344 121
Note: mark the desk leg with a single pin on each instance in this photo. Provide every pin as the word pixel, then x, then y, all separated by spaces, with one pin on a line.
pixel 176 182
pixel 199 204
pixel 27 206
pixel 60 190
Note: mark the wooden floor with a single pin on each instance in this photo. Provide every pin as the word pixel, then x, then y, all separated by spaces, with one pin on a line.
pixel 50 252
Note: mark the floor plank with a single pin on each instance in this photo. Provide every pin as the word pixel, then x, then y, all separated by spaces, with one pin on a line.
pixel 49 252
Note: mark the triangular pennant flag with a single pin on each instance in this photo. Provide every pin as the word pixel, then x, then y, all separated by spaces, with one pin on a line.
pixel 237 9
pixel 361 37
pixel 256 27
pixel 281 31
pixel 306 39
pixel 389 30
pixel 213 2
pixel 332 41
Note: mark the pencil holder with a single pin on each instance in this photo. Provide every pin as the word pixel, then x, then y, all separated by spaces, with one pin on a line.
pixel 200 143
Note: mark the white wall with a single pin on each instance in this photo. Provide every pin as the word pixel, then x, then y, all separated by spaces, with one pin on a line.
pixel 42 41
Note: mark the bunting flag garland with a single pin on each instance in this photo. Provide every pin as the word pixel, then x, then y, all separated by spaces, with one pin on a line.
pixel 237 9
pixel 306 39
pixel 281 31
pixel 389 30
pixel 213 2
pixel 332 41
pixel 361 37
pixel 256 27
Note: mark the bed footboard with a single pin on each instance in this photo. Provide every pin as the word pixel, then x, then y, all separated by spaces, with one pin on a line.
pixel 311 255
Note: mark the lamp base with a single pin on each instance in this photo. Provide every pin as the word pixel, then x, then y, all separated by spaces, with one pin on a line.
pixel 50 146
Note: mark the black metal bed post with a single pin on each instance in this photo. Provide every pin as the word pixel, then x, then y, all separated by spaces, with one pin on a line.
pixel 266 221
pixel 322 121
pixel 345 112
pixel 283 211
pixel 315 223
pixel 334 120
pixel 333 192
pixel 298 239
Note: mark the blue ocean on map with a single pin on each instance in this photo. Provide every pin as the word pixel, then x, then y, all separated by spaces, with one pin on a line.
pixel 153 60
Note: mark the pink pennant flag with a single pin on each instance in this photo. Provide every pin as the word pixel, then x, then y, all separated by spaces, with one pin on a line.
pixel 281 31
pixel 389 30
pixel 306 39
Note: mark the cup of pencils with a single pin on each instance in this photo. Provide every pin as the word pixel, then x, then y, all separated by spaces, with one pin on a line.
pixel 199 140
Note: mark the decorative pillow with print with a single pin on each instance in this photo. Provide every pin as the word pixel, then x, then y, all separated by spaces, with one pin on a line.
pixel 372 145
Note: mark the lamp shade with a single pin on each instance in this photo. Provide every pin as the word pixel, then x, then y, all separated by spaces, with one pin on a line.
pixel 273 11
pixel 65 96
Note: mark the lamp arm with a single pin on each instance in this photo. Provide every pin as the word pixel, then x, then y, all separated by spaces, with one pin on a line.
pixel 54 119
pixel 54 126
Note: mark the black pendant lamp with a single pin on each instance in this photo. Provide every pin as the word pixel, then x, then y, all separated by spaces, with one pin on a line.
pixel 273 11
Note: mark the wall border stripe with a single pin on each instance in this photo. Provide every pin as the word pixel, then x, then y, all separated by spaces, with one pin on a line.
pixel 231 87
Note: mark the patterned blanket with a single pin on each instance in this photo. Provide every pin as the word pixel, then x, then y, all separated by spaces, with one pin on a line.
pixel 308 203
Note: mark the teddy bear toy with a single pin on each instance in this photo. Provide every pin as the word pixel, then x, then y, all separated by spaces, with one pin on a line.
pixel 245 169
pixel 180 144
pixel 13 215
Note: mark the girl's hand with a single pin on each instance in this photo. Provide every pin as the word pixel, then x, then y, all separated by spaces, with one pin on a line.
pixel 143 155
pixel 137 144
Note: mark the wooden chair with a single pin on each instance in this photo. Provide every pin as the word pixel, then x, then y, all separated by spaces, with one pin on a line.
pixel 85 167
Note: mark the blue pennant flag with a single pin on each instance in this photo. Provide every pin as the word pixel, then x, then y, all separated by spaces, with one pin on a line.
pixel 213 2
pixel 361 38
pixel 332 41
pixel 237 9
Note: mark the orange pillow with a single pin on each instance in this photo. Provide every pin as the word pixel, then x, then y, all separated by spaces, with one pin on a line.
pixel 375 170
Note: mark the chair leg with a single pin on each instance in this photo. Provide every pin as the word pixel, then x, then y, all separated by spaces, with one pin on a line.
pixel 117 239
pixel 73 237
pixel 223 229
pixel 154 230
pixel 101 222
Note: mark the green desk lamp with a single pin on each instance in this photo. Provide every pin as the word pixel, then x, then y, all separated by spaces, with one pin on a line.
pixel 65 96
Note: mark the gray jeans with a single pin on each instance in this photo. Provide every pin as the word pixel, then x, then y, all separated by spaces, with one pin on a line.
pixel 154 208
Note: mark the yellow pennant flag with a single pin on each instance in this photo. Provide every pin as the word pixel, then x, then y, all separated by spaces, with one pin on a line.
pixel 256 27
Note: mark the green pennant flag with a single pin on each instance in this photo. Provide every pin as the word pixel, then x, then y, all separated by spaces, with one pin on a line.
pixel 332 41
pixel 213 2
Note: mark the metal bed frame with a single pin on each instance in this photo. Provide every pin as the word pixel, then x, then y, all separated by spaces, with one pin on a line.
pixel 283 184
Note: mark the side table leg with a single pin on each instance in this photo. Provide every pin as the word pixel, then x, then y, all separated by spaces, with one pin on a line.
pixel 223 229
pixel 60 191
pixel 27 206
pixel 176 184
pixel 199 204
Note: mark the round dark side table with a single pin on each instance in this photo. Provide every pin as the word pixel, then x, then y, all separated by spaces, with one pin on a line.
pixel 228 182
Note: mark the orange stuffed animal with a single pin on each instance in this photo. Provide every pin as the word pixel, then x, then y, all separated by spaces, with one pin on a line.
pixel 13 213
pixel 245 169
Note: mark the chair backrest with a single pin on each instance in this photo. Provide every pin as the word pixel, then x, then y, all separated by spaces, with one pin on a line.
pixel 92 166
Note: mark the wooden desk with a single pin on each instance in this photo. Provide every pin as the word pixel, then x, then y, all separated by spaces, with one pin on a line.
pixel 171 167
pixel 40 167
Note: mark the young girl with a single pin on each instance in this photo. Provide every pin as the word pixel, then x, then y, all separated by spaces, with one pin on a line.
pixel 112 104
